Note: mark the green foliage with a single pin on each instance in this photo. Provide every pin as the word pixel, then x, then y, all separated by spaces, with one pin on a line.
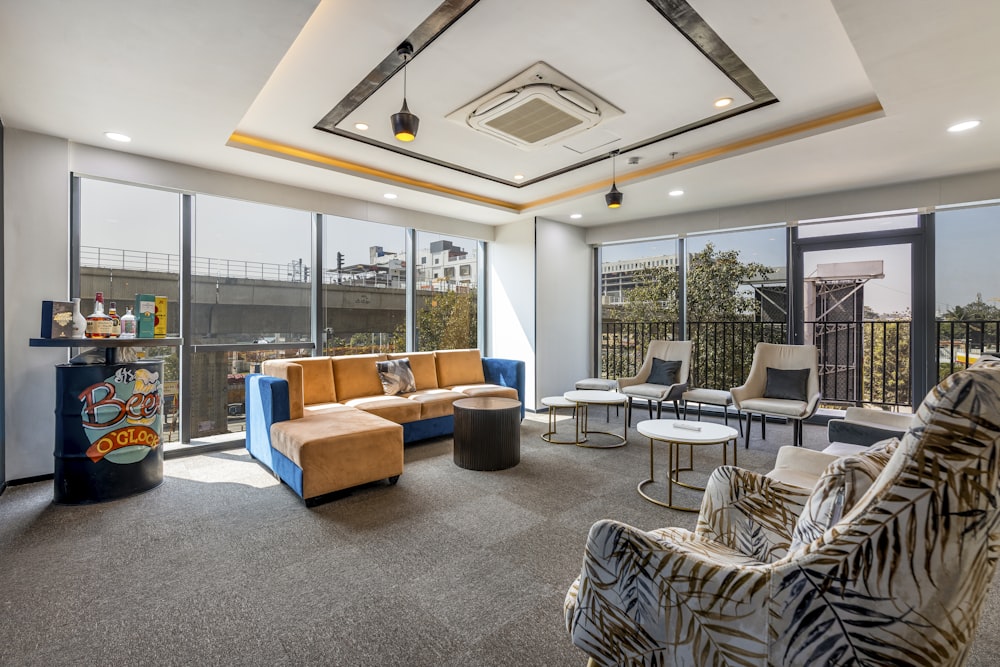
pixel 446 321
pixel 714 279
pixel 976 310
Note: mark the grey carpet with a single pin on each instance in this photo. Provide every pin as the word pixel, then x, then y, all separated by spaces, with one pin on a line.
pixel 221 565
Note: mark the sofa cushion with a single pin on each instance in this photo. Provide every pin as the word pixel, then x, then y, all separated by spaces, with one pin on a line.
pixel 317 380
pixel 353 447
pixel 435 402
pixel 395 376
pixel 394 408
pixel 355 376
pixel 477 390
pixel 423 367
pixel 456 367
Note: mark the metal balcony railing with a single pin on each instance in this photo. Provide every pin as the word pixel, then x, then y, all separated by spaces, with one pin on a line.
pixel 861 363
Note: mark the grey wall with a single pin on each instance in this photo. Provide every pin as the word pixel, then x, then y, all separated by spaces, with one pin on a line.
pixel 3 318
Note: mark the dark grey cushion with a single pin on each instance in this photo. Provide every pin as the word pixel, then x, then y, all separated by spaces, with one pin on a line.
pixel 664 372
pixel 789 384
pixel 396 376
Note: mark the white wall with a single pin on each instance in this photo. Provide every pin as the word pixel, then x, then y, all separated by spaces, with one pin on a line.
pixel 511 295
pixel 36 268
pixel 565 307
pixel 926 194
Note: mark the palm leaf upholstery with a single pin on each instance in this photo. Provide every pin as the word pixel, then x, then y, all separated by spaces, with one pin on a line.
pixel 886 561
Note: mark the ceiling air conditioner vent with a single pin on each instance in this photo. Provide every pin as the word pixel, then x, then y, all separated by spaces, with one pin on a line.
pixel 536 108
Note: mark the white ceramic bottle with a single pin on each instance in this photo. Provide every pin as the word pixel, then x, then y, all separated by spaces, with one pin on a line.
pixel 79 321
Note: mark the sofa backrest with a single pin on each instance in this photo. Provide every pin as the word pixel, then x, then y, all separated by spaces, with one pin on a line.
pixel 455 367
pixel 423 366
pixel 355 376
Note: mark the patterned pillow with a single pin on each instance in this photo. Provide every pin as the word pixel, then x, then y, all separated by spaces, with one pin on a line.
pixel 843 483
pixel 396 376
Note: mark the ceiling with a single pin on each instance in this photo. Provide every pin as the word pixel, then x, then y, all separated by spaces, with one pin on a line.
pixel 828 95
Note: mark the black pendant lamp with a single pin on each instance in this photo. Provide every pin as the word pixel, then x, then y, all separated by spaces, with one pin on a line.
pixel 404 123
pixel 614 196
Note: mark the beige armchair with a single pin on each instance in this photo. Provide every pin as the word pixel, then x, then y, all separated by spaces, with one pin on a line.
pixel 886 561
pixel 640 387
pixel 770 390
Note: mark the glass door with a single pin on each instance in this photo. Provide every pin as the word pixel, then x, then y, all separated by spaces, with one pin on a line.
pixel 857 309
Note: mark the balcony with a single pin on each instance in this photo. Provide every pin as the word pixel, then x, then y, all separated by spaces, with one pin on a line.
pixel 865 363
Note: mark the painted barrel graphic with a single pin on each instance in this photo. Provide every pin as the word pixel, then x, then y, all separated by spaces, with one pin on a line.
pixel 109 421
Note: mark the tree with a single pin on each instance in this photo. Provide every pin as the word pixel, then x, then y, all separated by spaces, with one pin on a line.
pixel 714 279
pixel 447 321
pixel 976 310
pixel 716 299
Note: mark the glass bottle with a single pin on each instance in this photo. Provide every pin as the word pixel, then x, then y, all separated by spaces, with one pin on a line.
pixel 128 324
pixel 98 323
pixel 116 322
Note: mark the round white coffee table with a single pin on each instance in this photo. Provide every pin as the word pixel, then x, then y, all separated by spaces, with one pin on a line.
pixel 674 433
pixel 583 398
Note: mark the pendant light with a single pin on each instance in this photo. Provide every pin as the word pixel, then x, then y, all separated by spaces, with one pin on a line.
pixel 614 197
pixel 404 123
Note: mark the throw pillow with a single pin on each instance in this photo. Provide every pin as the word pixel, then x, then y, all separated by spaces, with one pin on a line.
pixel 396 376
pixel 664 372
pixel 790 384
pixel 843 483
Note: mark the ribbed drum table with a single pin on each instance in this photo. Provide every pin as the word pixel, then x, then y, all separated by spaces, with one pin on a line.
pixel 487 433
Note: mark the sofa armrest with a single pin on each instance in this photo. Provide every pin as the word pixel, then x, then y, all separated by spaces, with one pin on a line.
pixel 266 404
pixel 506 373
pixel 857 433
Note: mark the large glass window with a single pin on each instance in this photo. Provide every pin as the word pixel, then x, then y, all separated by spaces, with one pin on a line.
pixel 129 245
pixel 736 297
pixel 638 301
pixel 364 286
pixel 967 285
pixel 250 272
pixel 447 274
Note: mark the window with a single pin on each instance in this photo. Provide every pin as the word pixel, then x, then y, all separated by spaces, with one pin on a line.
pixel 129 245
pixel 366 296
pixel 637 304
pixel 447 311
pixel 967 286
pixel 736 297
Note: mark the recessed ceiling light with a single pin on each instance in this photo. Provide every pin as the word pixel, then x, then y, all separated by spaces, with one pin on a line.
pixel 118 136
pixel 518 177
pixel 723 102
pixel 675 193
pixel 576 216
pixel 963 126
pixel 389 195
pixel 361 126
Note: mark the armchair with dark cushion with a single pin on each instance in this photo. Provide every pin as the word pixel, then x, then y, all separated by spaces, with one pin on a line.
pixel 663 376
pixel 783 382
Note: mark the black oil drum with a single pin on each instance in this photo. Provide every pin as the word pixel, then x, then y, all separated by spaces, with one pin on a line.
pixel 109 423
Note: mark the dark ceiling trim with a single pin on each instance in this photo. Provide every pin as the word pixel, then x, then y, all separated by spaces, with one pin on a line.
pixel 677 12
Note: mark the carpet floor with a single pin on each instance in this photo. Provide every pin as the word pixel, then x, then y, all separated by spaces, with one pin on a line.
pixel 222 565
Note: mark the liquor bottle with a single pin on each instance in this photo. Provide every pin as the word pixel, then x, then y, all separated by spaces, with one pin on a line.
pixel 128 324
pixel 98 323
pixel 116 322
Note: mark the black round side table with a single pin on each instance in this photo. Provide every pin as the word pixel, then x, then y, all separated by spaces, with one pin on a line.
pixel 487 433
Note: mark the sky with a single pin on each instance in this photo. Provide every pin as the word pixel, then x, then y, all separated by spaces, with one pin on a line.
pixel 113 214
pixel 147 220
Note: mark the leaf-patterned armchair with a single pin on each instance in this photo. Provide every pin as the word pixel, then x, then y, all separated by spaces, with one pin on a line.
pixel 886 561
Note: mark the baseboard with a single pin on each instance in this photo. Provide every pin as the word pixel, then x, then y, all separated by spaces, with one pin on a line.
pixel 31 480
